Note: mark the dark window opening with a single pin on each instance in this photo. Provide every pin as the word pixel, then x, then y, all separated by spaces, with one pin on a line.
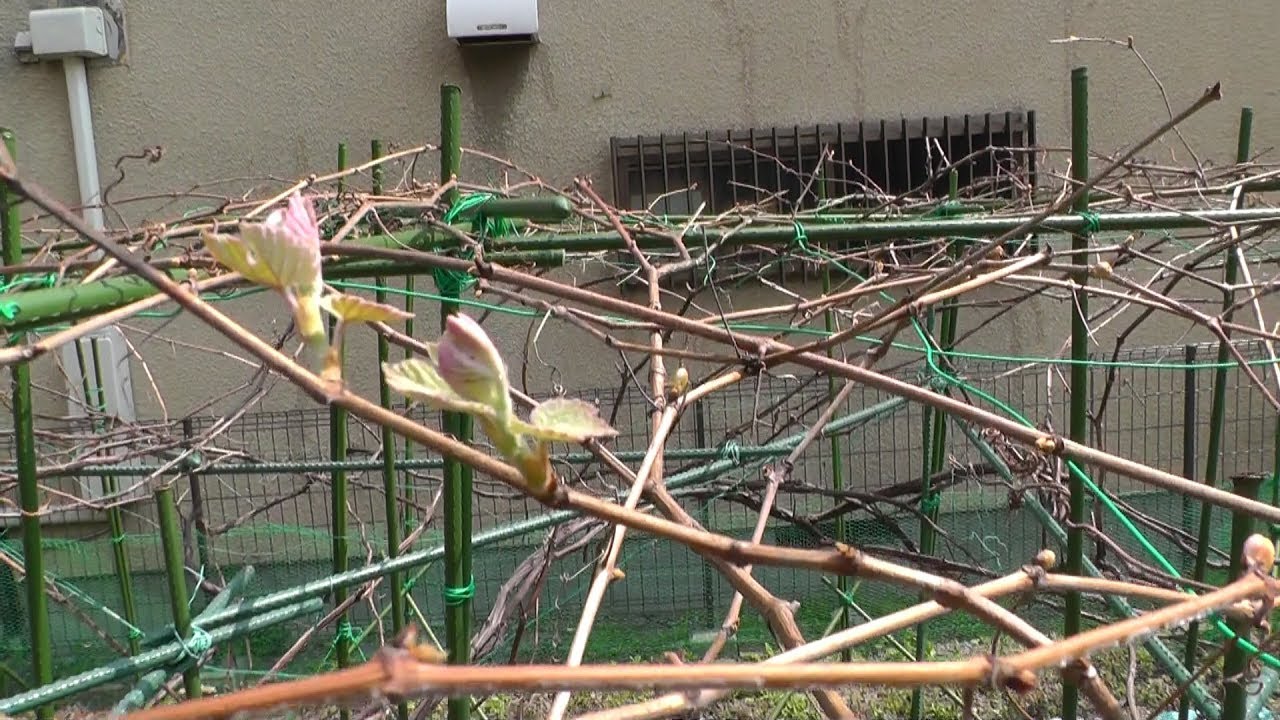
pixel 842 166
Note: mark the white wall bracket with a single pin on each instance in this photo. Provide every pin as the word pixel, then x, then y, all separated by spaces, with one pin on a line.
pixel 88 29
pixel 492 22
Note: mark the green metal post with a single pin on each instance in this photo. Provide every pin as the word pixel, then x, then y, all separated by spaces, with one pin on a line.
pixel 120 558
pixel 197 500
pixel 926 534
pixel 1275 480
pixel 406 512
pixel 459 583
pixel 390 490
pixel 450 138
pixel 837 459
pixel 338 495
pixel 934 444
pixel 150 683
pixel 175 573
pixel 934 454
pixel 25 450
pixel 704 517
pixel 1235 688
pixel 115 517
pixel 407 518
pixel 338 478
pixel 1079 422
pixel 342 165
pixel 1190 392
pixel 1217 415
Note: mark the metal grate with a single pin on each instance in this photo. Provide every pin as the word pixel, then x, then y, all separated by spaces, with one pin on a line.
pixel 783 169
pixel 840 167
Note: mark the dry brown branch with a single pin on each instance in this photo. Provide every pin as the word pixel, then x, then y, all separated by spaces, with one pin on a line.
pixel 889 286
pixel 402 671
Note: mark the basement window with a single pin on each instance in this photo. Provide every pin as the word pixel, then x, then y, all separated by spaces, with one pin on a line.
pixel 833 167
pixel 840 166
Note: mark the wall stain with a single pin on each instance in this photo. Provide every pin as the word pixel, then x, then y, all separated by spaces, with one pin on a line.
pixel 496 80
pixel 844 28
pixel 856 40
pixel 738 39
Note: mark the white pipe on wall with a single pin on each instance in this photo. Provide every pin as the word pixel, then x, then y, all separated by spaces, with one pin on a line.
pixel 86 150
pixel 86 156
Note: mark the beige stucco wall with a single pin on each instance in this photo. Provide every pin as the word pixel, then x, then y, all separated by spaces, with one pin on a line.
pixel 245 88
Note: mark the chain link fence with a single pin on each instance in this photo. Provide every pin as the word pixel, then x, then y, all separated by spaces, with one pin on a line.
pixel 261 497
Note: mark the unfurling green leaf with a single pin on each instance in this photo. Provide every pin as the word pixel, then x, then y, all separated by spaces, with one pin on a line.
pixel 288 244
pixel 232 253
pixel 567 420
pixel 353 309
pixel 282 253
pixel 464 372
pixel 420 380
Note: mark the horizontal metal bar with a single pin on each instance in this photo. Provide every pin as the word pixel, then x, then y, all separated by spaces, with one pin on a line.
pixel 415 463
pixel 151 659
pixel 33 309
pixel 551 208
pixel 82 300
pixel 948 227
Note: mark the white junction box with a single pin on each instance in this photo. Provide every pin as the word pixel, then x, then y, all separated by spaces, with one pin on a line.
pixel 99 363
pixel 83 31
pixel 481 22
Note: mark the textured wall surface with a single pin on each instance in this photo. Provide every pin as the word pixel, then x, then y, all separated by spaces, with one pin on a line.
pixel 240 88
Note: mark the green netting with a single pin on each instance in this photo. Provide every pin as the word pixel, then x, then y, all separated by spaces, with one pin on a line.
pixel 277 522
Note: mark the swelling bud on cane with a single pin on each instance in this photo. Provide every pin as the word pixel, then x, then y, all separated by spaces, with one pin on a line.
pixel 464 372
pixel 1259 554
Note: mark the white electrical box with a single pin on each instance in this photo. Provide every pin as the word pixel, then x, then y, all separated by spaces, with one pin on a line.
pixel 98 363
pixel 104 372
pixel 76 31
pixel 482 22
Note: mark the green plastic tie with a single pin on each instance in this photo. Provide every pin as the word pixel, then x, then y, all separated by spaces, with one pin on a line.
pixel 118 539
pixel 458 595
pixel 344 632
pixel 947 208
pixel 1092 221
pixel 930 503
pixel 710 256
pixel 9 310
pixel 847 597
pixel 452 283
pixel 801 238
pixel 409 584
pixel 200 642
